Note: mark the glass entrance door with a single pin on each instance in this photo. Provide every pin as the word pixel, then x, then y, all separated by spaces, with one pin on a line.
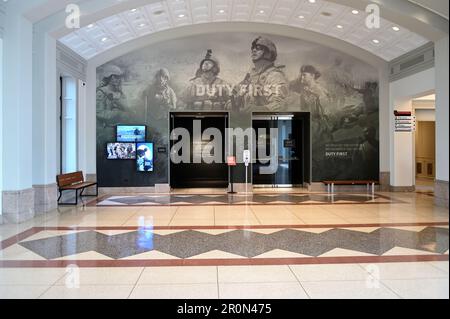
pixel 282 135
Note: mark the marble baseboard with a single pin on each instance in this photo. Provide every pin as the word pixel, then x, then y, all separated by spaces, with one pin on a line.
pixel 45 198
pixel 240 188
pixel 402 189
pixel 125 190
pixel 90 178
pixel 18 206
pixel 162 188
pixel 441 193
pixel 385 181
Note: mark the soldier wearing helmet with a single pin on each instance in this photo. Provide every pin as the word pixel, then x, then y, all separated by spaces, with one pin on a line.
pixel 159 97
pixel 310 92
pixel 111 101
pixel 206 90
pixel 265 87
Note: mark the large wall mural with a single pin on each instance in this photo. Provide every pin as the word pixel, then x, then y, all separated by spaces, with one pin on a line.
pixel 241 73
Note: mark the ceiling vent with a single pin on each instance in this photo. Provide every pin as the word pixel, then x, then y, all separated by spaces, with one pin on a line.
pixel 413 62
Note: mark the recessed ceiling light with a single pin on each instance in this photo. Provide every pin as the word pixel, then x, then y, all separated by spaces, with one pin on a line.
pixel 261 11
pixel 104 39
pixel 221 11
pixel 301 17
pixel 142 25
pixel 355 11
pixel 312 1
pixel 376 41
pixel 90 26
pixel 181 16
pixel 339 26
pixel 133 10
pixel 396 28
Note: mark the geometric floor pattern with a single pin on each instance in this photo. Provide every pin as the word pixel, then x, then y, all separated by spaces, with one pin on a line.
pixel 243 243
pixel 255 199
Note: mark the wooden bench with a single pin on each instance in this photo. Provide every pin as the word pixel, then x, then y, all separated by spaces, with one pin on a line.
pixel 73 181
pixel 330 184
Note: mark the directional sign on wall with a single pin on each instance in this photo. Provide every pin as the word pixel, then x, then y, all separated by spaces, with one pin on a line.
pixel 404 121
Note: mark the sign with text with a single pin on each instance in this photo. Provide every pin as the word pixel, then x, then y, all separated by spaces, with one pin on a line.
pixel 404 121
pixel 247 157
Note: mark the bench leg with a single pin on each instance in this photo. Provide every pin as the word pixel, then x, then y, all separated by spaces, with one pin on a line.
pixel 96 192
pixel 69 204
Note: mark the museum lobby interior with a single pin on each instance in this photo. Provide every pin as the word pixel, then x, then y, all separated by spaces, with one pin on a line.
pixel 224 149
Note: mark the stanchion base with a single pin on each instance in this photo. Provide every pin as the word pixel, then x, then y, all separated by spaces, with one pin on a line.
pixel 232 193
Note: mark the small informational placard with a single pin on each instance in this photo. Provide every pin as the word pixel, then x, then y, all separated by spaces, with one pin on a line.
pixel 231 161
pixel 162 149
pixel 289 143
pixel 404 121
pixel 247 157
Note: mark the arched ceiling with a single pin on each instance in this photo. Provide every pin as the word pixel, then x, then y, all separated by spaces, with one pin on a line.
pixel 324 17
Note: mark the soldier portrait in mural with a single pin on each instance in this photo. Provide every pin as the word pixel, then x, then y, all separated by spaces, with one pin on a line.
pixel 265 87
pixel 159 97
pixel 207 91
pixel 286 75
pixel 111 101
pixel 311 96
pixel 112 104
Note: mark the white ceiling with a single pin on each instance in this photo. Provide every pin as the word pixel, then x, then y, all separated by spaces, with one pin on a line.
pixel 431 97
pixel 118 29
pixel 437 6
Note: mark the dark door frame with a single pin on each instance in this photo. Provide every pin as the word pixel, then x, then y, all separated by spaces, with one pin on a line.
pixel 305 117
pixel 200 115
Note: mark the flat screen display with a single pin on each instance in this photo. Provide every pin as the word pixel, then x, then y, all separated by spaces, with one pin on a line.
pixel 131 133
pixel 144 157
pixel 121 151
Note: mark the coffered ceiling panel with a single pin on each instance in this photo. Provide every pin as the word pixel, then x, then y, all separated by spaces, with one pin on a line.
pixel 388 42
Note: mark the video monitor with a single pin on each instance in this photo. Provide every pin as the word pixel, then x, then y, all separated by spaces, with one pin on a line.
pixel 131 133
pixel 144 157
pixel 121 151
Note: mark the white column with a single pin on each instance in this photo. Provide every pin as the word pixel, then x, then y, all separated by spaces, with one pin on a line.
pixel 1 126
pixel 442 116
pixel 384 112
pixel 2 27
pixel 17 113
pixel 91 120
pixel 45 121
pixel 18 193
pixel 442 105
pixel 82 137
pixel 404 159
